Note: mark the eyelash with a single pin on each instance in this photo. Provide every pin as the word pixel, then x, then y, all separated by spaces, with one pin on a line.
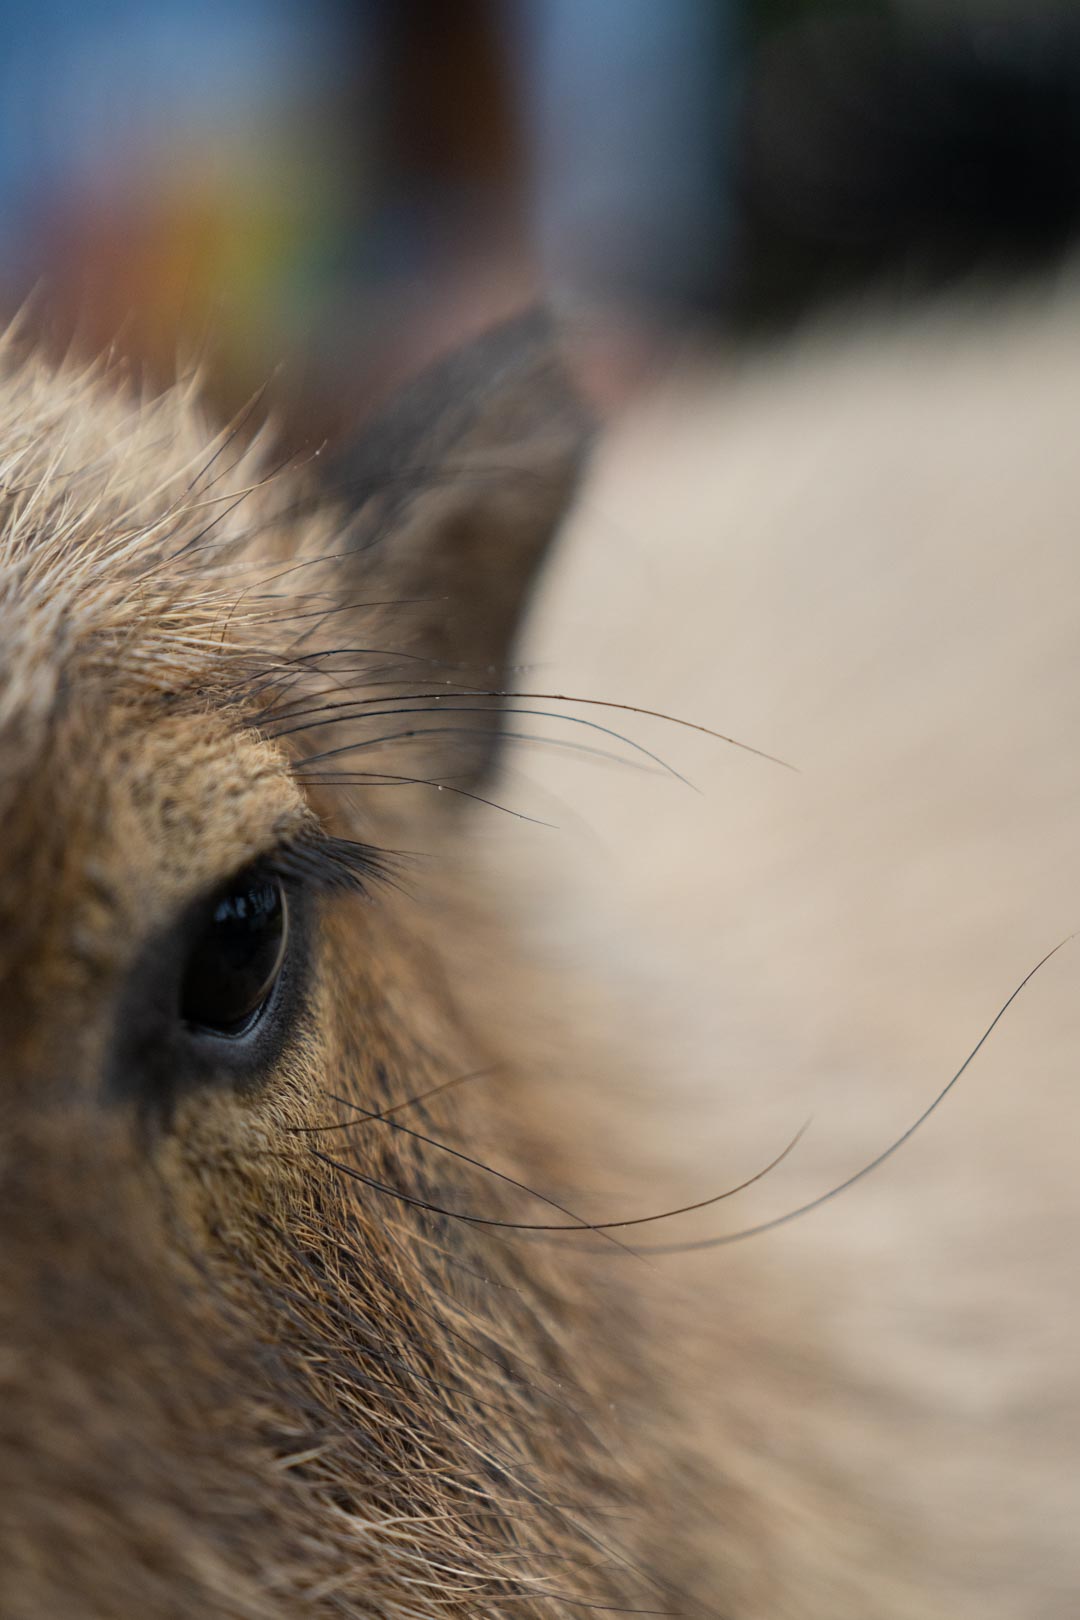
pixel 314 858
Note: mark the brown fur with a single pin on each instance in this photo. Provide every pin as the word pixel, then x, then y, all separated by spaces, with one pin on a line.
pixel 239 1379
pixel 235 1381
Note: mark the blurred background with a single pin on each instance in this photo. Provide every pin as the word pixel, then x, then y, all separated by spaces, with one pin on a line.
pixel 324 193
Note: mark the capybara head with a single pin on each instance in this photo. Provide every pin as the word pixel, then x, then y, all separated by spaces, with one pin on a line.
pixel 260 1354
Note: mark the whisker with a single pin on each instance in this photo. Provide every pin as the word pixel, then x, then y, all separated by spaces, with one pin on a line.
pixel 449 708
pixel 392 779
pixel 565 697
pixel 537 1226
pixel 197 540
pixel 352 607
pixel 565 744
pixel 867 1169
pixel 365 1115
pixel 238 425
pixel 410 1102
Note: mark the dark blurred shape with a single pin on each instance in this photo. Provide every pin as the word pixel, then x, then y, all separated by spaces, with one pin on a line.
pixel 438 247
pixel 630 111
pixel 343 188
pixel 349 186
pixel 901 155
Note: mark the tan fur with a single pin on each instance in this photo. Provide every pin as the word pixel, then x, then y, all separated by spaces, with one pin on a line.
pixel 232 1383
pixel 234 1379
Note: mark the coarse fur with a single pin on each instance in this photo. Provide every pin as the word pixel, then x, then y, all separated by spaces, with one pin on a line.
pixel 234 1381
pixel 265 1347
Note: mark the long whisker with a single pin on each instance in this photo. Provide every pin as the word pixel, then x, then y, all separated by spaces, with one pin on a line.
pixel 460 690
pixel 867 1169
pixel 238 425
pixel 449 708
pixel 564 744
pixel 579 1223
pixel 408 1102
pixel 536 1226
pixel 391 779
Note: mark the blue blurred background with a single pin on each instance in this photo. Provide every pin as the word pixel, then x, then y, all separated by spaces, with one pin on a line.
pixel 348 187
pixel 331 191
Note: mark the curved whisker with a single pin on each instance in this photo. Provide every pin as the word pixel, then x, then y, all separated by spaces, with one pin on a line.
pixel 867 1169
pixel 449 708
pixel 459 689
pixel 537 1226
pixel 393 779
pixel 366 1115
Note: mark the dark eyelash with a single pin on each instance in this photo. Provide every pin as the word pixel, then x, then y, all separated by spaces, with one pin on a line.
pixel 321 861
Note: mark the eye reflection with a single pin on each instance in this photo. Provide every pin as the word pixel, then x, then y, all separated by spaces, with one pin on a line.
pixel 235 962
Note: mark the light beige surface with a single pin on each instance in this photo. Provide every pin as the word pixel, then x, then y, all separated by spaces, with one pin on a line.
pixel 863 555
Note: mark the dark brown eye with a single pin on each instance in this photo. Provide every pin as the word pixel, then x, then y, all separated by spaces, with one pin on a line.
pixel 235 962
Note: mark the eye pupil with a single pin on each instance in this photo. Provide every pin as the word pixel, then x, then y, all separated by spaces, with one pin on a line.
pixel 237 956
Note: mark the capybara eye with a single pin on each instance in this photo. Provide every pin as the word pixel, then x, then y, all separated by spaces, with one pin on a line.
pixel 237 958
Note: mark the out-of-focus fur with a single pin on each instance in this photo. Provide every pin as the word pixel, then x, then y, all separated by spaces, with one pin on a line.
pixel 858 553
